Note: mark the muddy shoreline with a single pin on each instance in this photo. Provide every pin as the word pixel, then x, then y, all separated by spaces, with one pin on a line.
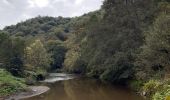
pixel 33 91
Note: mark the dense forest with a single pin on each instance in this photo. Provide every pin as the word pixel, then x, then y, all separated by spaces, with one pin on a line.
pixel 126 42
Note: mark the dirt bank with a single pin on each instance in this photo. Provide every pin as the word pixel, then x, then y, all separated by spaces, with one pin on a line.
pixel 34 91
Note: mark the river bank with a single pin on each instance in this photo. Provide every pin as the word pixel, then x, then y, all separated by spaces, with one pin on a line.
pixel 33 91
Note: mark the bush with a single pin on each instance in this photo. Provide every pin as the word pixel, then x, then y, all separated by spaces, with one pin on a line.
pixel 10 84
pixel 151 87
pixel 136 84
pixel 163 93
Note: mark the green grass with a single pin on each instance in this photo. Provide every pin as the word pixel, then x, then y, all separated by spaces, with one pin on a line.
pixel 156 89
pixel 163 92
pixel 10 84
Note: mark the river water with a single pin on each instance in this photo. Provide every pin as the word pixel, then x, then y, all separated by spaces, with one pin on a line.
pixel 69 87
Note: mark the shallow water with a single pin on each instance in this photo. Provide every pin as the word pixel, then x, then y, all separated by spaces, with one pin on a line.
pixel 54 77
pixel 70 88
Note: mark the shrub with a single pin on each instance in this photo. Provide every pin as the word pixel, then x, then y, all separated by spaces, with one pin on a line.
pixel 10 84
pixel 162 94
pixel 151 87
pixel 136 84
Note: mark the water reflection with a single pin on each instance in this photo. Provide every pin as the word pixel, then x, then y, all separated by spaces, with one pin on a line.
pixel 85 89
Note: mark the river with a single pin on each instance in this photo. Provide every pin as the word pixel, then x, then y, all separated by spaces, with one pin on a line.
pixel 70 87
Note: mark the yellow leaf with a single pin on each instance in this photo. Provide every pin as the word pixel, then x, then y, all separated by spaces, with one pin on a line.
pixel 167 98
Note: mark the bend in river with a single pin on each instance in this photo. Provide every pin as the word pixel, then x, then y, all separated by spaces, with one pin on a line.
pixel 69 87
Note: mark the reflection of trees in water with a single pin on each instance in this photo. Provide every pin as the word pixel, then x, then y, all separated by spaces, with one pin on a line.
pixel 85 90
pixel 57 92
pixel 91 90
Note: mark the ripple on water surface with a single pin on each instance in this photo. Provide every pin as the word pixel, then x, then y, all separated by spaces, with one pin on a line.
pixel 54 77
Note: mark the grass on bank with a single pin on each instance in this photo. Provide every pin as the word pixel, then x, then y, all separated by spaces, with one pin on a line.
pixel 10 84
pixel 153 89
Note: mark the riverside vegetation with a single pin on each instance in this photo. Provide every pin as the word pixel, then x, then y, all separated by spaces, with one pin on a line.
pixel 126 42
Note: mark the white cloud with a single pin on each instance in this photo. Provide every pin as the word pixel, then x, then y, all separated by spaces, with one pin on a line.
pixel 78 2
pixel 6 2
pixel 25 16
pixel 31 3
pixel 38 3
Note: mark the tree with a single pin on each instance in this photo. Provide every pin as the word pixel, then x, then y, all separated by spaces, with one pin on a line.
pixel 57 51
pixel 11 53
pixel 36 57
pixel 4 51
pixel 15 65
pixel 107 46
pixel 155 54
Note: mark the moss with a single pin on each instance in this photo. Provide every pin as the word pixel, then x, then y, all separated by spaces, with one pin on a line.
pixel 10 84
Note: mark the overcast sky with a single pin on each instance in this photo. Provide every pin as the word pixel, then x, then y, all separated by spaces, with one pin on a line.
pixel 13 11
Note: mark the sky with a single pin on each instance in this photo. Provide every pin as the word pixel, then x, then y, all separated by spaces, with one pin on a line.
pixel 14 11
